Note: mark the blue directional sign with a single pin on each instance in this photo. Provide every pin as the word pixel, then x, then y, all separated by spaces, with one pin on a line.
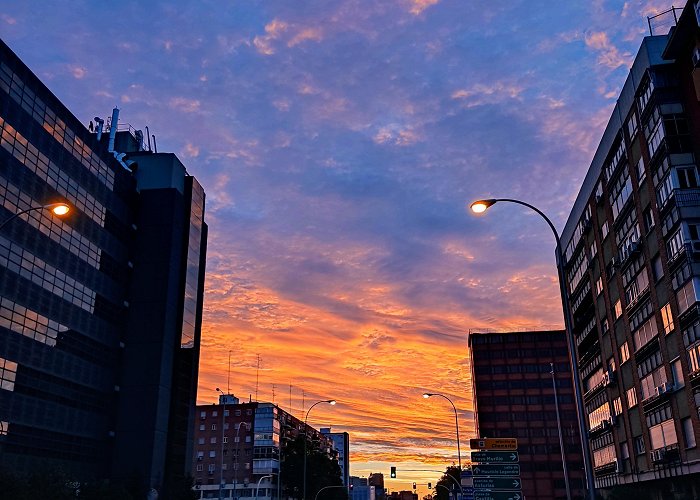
pixel 496 470
pixel 498 495
pixel 497 483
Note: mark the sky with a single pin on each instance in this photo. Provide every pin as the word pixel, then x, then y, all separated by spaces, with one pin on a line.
pixel 339 143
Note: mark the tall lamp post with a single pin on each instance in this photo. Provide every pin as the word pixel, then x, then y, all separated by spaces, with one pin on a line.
pixel 306 435
pixel 459 454
pixel 481 206
pixel 58 209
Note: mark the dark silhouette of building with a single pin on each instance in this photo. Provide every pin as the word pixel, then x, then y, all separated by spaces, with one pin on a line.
pixel 514 398
pixel 100 311
pixel 632 265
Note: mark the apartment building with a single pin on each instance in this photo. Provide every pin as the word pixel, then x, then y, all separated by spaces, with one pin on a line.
pixel 632 266
pixel 239 449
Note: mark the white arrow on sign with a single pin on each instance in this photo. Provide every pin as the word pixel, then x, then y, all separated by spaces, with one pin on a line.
pixel 516 496
pixel 513 456
pixel 516 483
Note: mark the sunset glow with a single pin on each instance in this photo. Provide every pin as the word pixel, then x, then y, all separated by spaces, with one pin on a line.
pixel 340 144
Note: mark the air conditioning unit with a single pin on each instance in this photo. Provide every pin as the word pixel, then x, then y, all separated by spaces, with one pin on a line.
pixel 658 455
pixel 696 57
pixel 663 388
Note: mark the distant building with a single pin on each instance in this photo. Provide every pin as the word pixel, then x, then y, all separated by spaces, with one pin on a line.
pixel 632 268
pixel 100 311
pixel 237 444
pixel 514 397
pixel 376 479
pixel 341 443
pixel 403 495
pixel 360 489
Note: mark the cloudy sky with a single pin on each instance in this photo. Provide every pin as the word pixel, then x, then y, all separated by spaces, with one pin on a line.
pixel 338 142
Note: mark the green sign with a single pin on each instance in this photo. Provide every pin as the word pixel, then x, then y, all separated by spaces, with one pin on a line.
pixel 497 483
pixel 495 457
pixel 498 495
pixel 496 470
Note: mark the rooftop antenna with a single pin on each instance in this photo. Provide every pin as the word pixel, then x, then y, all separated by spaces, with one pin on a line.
pixel 290 398
pixel 148 134
pixel 303 401
pixel 273 393
pixel 257 378
pixel 228 382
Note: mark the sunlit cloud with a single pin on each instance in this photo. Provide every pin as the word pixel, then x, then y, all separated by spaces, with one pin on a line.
pixel 185 105
pixel 418 6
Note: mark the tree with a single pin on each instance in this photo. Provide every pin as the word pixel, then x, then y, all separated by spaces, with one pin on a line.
pixel 446 485
pixel 321 471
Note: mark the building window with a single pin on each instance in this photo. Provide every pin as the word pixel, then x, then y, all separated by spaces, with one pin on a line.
pixel 677 372
pixel 249 412
pixel 215 413
pixel 639 448
pixel 201 427
pixel 652 381
pixel 624 352
pixel 212 453
pixel 687 177
pixel 658 268
pixel 641 172
pixel 632 127
pixel 648 217
pixel 604 230
pixel 213 427
pixel 663 434
pixel 226 412
pixel 247 466
pixel 624 450
pixel 224 466
pixel 643 335
pixel 687 296
pixel 667 318
pixel 225 426
pixel 617 309
pixel 211 467
pixel 200 441
pixel 617 405
pixel 247 439
pixel 203 415
pixel 212 440
pixel 8 373
pixel 694 358
pixel 200 467
pixel 599 286
pixel 238 413
pixel 688 433
pixel 631 397
pixel 237 439
pixel 225 439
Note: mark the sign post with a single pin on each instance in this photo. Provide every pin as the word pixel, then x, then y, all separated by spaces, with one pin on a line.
pixel 495 469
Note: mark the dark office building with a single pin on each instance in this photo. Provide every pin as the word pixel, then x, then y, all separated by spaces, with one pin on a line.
pixel 100 310
pixel 514 398
pixel 632 265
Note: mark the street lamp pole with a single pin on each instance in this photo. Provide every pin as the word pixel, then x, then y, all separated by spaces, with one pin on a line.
pixel 59 209
pixel 481 206
pixel 459 454
pixel 306 435
pixel 260 481
pixel 328 487
pixel 561 436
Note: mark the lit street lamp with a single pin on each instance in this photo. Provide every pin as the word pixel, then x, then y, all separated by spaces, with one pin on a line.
pixel 306 435
pixel 481 206
pixel 328 487
pixel 58 209
pixel 459 454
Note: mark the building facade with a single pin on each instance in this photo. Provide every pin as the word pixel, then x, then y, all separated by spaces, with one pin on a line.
pixel 341 444
pixel 632 266
pixel 100 311
pixel 239 448
pixel 514 397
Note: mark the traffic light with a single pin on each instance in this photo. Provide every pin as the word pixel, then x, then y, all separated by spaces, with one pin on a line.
pixel 414 486
pixel 430 486
pixel 393 472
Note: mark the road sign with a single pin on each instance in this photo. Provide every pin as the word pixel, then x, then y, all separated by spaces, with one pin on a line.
pixel 496 470
pixel 494 444
pixel 497 483
pixel 495 457
pixel 498 495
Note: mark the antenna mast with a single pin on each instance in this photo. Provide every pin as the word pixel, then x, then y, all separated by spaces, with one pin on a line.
pixel 257 378
pixel 228 382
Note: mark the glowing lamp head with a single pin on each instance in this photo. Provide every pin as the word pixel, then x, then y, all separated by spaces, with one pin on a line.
pixel 332 402
pixel 426 395
pixel 60 209
pixel 480 206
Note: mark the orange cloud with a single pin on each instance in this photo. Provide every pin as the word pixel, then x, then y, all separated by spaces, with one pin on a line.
pixel 418 6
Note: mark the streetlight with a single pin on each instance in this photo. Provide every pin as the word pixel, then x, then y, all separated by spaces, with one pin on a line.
pixel 58 209
pixel 306 435
pixel 260 481
pixel 328 487
pixel 459 454
pixel 480 206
